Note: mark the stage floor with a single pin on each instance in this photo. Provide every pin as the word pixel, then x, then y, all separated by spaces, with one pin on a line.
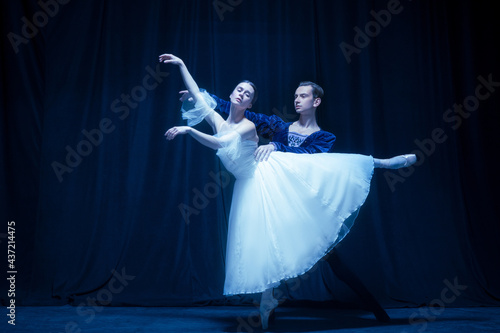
pixel 59 319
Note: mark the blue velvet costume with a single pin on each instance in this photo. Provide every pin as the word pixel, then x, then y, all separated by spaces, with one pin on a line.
pixel 276 130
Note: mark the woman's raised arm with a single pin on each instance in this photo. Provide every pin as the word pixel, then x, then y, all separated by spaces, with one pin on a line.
pixel 186 76
pixel 213 118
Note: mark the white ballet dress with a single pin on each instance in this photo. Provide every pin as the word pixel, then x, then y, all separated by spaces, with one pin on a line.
pixel 286 212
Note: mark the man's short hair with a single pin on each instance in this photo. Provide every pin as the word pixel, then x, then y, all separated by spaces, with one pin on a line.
pixel 316 89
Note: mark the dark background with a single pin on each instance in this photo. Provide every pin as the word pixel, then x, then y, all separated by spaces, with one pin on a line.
pixel 426 235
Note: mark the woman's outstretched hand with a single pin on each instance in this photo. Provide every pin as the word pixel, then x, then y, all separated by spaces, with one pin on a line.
pixel 170 59
pixel 177 130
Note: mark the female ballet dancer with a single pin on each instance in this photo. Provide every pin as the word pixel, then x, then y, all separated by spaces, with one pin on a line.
pixel 287 212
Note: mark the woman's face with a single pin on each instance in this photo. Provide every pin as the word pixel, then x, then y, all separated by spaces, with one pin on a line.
pixel 242 95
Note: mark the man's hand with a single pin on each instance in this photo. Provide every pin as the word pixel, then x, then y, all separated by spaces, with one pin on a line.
pixel 174 131
pixel 185 95
pixel 262 152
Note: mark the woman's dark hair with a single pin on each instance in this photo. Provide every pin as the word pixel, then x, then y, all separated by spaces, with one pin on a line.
pixel 255 92
pixel 316 89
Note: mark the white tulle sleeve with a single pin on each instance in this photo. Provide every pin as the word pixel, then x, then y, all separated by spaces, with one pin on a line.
pixel 230 142
pixel 193 112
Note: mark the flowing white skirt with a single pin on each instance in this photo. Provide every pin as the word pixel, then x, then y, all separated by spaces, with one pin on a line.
pixel 289 213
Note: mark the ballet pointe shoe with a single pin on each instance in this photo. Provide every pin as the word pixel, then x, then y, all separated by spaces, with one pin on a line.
pixel 267 313
pixel 397 162
pixel 267 306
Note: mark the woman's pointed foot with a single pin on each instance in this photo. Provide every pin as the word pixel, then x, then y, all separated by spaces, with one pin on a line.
pixel 267 311
pixel 401 161
pixel 267 305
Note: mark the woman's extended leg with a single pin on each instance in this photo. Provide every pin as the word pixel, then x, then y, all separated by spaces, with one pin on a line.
pixel 396 162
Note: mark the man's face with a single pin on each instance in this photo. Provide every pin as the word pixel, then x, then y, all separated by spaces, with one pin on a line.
pixel 304 99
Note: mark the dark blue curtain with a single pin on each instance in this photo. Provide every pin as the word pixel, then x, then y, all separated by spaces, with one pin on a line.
pixel 107 212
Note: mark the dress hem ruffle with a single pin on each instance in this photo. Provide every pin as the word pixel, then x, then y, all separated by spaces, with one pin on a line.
pixel 318 258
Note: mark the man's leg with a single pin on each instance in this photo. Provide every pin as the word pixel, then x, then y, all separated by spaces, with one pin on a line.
pixel 348 277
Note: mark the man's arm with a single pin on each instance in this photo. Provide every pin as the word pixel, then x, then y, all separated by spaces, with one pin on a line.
pixel 223 106
pixel 266 125
pixel 321 142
